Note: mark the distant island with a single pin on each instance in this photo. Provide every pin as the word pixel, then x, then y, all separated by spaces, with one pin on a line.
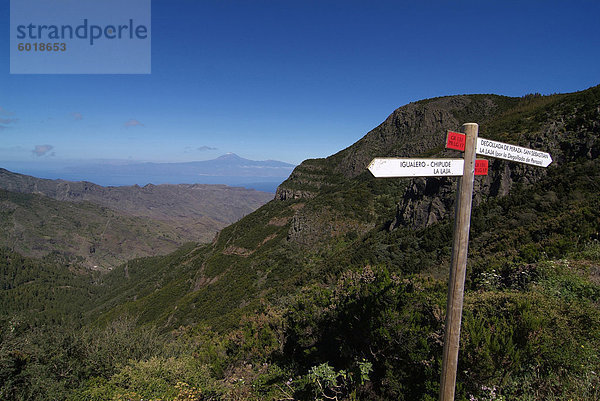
pixel 228 169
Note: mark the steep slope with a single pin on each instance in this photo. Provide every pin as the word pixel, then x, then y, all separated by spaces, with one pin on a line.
pixel 410 131
pixel 332 213
pixel 563 125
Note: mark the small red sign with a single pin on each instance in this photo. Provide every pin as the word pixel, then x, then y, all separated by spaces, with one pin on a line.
pixel 456 140
pixel 481 167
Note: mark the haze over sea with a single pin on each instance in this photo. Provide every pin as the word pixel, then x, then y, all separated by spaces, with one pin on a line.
pixel 229 169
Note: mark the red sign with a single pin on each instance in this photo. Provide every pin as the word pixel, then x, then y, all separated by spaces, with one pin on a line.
pixel 481 166
pixel 456 140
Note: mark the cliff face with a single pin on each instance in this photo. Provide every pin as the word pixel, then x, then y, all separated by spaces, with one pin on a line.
pixel 415 129
pixel 566 126
pixel 410 131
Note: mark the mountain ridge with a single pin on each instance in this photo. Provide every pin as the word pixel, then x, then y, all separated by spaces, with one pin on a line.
pixel 189 212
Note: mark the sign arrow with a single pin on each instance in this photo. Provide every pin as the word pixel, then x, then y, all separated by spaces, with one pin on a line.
pixel 388 167
pixel 511 152
pixel 486 147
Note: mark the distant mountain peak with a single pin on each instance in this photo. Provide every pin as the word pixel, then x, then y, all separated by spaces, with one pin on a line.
pixel 230 156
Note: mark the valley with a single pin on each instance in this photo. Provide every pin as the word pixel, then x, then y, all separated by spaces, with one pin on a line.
pixel 106 226
pixel 335 289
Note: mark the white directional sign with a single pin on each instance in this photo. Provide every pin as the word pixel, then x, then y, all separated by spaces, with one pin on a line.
pixel 511 152
pixel 486 147
pixel 382 167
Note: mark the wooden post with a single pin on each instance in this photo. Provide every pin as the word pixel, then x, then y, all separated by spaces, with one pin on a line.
pixel 456 284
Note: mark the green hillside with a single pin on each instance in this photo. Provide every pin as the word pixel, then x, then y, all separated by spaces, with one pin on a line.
pixel 337 289
pixel 335 221
pixel 41 292
pixel 86 233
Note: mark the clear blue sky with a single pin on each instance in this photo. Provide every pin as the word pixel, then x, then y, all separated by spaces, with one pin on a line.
pixel 292 79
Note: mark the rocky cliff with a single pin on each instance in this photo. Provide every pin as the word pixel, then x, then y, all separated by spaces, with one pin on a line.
pixel 564 125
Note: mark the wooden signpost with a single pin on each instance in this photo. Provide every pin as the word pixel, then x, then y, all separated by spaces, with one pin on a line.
pixel 466 169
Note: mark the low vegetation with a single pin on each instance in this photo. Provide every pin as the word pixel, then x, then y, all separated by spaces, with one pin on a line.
pixel 332 296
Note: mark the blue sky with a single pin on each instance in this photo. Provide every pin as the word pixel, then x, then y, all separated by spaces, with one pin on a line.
pixel 291 79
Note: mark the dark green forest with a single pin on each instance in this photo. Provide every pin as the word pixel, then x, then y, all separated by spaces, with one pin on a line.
pixel 337 288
